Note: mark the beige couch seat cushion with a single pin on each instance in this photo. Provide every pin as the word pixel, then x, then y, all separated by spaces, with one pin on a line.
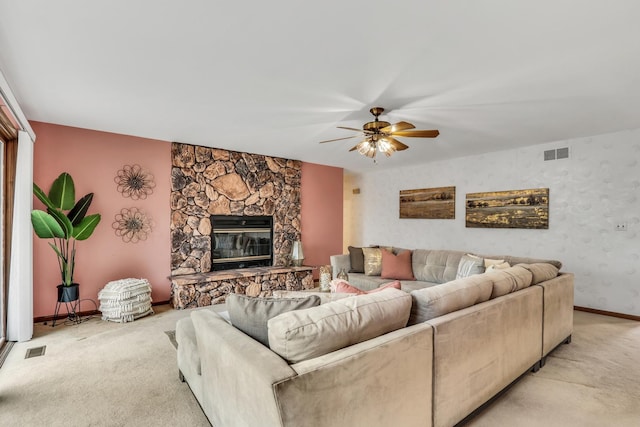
pixel 305 334
pixel 448 297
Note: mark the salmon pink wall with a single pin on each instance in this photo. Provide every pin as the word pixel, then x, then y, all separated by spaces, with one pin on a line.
pixel 321 213
pixel 93 159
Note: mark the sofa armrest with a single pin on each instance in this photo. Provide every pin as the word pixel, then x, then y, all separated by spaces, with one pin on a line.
pixel 338 262
pixel 380 382
pixel 558 311
pixel 238 374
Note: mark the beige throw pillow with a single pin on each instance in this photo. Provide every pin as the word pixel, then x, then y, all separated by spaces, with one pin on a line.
pixel 494 267
pixel 489 262
pixel 373 261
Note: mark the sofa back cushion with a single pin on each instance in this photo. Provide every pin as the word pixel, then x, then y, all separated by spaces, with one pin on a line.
pixel 439 300
pixel 435 266
pixel 305 334
pixel 541 271
pixel 513 260
pixel 250 314
pixel 509 280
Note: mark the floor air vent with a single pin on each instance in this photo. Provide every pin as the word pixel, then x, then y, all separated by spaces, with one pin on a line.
pixel 35 352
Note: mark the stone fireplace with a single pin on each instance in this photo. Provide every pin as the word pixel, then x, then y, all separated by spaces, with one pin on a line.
pixel 208 181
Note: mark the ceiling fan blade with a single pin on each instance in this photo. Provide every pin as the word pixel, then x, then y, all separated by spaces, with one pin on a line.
pixel 337 139
pixel 357 130
pixel 360 145
pixel 417 133
pixel 399 146
pixel 397 127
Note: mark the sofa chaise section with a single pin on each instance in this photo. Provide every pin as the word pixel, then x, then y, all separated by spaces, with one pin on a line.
pixel 382 381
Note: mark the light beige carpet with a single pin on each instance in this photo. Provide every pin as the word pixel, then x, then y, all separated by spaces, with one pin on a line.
pixel 594 381
pixel 108 374
pixel 99 374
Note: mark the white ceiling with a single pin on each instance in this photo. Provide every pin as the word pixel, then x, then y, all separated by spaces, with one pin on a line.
pixel 275 77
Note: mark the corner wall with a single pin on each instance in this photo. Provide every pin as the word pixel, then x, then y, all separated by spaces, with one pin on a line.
pixel 93 159
pixel 592 191
pixel 321 213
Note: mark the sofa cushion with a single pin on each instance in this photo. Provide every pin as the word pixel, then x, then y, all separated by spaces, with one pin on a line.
pixel 438 266
pixel 342 287
pixel 448 297
pixel 356 257
pixel 372 261
pixel 251 315
pixel 469 265
pixel 304 334
pixel 541 271
pixel 508 280
pixel 396 266
pixel 514 260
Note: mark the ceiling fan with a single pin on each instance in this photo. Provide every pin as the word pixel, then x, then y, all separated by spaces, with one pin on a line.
pixel 380 135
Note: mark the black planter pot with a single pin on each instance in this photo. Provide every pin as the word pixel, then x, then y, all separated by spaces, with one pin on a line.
pixel 68 293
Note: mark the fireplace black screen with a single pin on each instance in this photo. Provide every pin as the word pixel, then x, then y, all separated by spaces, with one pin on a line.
pixel 241 241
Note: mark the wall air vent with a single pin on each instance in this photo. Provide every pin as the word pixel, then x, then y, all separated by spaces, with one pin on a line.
pixel 560 153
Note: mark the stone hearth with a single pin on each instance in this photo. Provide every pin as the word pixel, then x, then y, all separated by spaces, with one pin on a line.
pixel 208 181
pixel 202 289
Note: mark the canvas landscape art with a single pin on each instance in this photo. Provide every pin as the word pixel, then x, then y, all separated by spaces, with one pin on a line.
pixel 509 209
pixel 429 203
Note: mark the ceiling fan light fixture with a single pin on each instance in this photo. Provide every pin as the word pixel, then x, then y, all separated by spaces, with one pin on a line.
pixel 381 135
pixel 384 146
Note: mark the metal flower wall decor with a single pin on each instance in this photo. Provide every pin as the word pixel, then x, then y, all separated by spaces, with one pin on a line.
pixel 134 182
pixel 132 225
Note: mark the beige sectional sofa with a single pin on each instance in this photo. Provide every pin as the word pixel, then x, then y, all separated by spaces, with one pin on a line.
pixel 351 362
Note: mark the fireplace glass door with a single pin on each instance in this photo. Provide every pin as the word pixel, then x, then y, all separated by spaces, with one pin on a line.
pixel 241 242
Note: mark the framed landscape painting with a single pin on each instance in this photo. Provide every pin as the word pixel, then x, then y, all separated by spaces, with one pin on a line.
pixel 429 203
pixel 509 209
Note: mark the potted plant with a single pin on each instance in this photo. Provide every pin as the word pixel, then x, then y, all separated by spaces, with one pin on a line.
pixel 64 228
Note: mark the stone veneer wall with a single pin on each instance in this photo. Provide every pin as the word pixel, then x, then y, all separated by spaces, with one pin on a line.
pixel 208 181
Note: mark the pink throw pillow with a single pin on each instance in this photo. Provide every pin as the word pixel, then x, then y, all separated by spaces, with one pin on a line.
pixel 397 266
pixel 343 287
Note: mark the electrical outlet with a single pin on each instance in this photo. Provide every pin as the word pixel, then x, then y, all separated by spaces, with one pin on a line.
pixel 621 226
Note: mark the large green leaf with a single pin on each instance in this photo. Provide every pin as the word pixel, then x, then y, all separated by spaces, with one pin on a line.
pixel 76 215
pixel 41 196
pixel 64 222
pixel 63 193
pixel 45 226
pixel 83 230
